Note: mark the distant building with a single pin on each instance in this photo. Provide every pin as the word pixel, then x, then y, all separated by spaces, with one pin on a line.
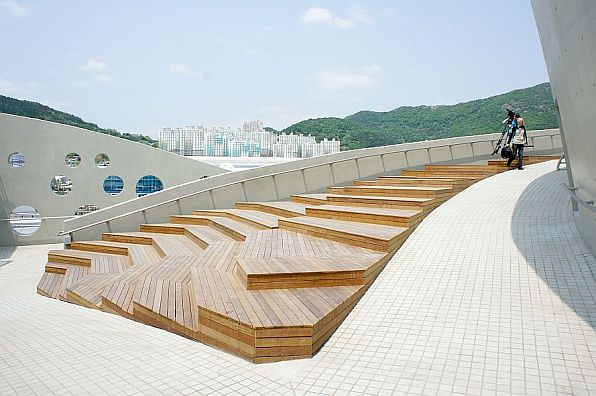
pixel 249 141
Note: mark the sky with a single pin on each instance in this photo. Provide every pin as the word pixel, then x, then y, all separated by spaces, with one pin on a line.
pixel 139 66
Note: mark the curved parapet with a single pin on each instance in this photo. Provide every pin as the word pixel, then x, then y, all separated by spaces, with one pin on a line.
pixel 277 182
pixel 57 169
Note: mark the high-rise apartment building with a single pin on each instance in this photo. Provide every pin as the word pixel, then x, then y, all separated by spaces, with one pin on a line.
pixel 249 141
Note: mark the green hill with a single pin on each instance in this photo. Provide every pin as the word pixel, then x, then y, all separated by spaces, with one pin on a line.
pixel 26 108
pixel 411 124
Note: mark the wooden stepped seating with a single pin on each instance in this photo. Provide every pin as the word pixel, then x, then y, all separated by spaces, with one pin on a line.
pixel 281 209
pixel 283 243
pixel 372 236
pixel 393 191
pixel 266 281
pixel 455 185
pixel 165 244
pixel 309 199
pixel 306 271
pixel 88 290
pixel 372 215
pixel 268 325
pixel 406 203
pixel 255 218
pixel 169 301
pixel 230 227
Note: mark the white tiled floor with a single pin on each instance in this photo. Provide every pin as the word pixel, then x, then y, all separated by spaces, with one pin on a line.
pixel 493 293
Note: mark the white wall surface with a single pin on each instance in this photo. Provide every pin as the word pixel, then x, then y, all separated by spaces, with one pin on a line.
pixel 567 30
pixel 45 146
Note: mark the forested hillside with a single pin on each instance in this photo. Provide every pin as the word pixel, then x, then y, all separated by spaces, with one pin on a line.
pixel 26 108
pixel 410 124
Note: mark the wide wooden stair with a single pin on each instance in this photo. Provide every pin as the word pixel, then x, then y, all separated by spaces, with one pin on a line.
pixel 266 281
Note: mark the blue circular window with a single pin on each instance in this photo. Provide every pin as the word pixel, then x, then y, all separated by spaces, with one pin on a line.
pixel 113 185
pixel 147 185
pixel 16 160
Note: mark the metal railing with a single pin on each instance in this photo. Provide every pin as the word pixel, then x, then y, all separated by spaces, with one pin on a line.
pixel 586 204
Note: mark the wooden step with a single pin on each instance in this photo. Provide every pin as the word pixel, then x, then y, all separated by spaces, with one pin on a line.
pixel 234 229
pixel 166 299
pixel 310 199
pixel 266 325
pixel 393 191
pixel 51 284
pixel 165 244
pixel 254 218
pixel 101 247
pixel 455 185
pixel 447 174
pixel 73 257
pixel 384 202
pixel 371 236
pixel 284 243
pixel 306 271
pixel 371 215
pixel 88 290
pixel 281 209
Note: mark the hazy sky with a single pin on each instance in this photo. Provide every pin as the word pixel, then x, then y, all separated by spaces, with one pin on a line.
pixel 138 66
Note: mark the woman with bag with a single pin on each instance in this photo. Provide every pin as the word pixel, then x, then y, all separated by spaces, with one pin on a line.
pixel 520 138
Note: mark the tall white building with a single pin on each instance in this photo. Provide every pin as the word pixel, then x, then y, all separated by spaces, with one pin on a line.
pixel 249 141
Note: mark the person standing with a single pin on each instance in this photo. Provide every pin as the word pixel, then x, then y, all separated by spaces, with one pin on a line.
pixel 519 140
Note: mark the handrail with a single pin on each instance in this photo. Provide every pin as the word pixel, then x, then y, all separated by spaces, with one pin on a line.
pixel 586 204
pixel 301 169
pixel 561 161
pixel 46 218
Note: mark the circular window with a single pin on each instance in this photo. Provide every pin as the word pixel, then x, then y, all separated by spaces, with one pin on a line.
pixel 113 185
pixel 102 160
pixel 16 160
pixel 72 160
pixel 25 220
pixel 61 185
pixel 147 185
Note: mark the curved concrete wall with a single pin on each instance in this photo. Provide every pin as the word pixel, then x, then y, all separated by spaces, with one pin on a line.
pixel 45 146
pixel 276 182
pixel 567 31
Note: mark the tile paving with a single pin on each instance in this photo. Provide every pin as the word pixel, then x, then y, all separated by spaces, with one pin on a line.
pixel 494 293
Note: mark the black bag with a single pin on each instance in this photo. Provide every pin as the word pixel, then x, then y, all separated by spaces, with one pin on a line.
pixel 507 153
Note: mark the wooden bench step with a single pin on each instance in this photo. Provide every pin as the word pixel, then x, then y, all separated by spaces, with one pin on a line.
pixel 88 290
pixel 371 215
pixel 447 174
pixel 232 228
pixel 165 244
pixel 101 247
pixel 393 191
pixel 455 185
pixel 384 202
pixel 51 284
pixel 282 209
pixel 371 236
pixel 254 218
pixel 306 271
pixel 310 199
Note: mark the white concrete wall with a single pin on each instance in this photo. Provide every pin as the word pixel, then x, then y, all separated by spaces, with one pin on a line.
pixel 277 182
pixel 45 146
pixel 567 31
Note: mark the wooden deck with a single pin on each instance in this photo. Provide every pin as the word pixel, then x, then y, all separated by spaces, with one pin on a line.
pixel 266 281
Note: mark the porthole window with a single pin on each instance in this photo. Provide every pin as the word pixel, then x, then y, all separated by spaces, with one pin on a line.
pixel 61 185
pixel 113 185
pixel 87 208
pixel 147 185
pixel 72 160
pixel 102 160
pixel 25 220
pixel 16 160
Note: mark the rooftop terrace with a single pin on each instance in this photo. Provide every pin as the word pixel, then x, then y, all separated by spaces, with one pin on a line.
pixel 492 292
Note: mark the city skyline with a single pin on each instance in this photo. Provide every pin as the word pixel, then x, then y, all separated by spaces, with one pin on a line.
pixel 224 62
